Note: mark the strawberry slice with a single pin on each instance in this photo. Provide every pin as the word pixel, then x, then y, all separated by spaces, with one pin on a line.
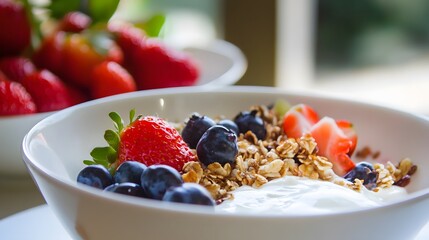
pixel 350 132
pixel 333 144
pixel 298 120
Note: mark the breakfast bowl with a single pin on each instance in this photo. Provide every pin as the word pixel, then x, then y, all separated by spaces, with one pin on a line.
pixel 221 63
pixel 54 150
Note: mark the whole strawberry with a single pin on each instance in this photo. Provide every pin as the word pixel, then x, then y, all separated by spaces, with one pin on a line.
pixel 74 22
pixel 48 91
pixel 110 78
pixel 153 64
pixel 15 33
pixel 14 99
pixel 81 53
pixel 50 53
pixel 16 68
pixel 151 140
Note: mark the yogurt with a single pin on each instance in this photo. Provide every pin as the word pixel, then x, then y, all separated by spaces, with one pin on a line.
pixel 299 195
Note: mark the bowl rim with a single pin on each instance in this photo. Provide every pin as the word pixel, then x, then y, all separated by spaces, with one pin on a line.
pixel 194 209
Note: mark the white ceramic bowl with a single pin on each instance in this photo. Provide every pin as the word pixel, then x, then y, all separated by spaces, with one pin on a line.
pixel 221 64
pixel 54 149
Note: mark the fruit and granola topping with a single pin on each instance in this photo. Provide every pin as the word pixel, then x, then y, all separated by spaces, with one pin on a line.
pixel 67 52
pixel 266 159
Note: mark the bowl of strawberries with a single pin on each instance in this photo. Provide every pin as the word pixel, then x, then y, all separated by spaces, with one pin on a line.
pixel 49 63
pixel 196 161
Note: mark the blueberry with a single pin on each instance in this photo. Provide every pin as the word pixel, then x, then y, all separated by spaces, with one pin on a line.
pixel 249 121
pixel 156 179
pixel 191 193
pixel 195 128
pixel 127 188
pixel 129 171
pixel 218 144
pixel 365 172
pixel 95 176
pixel 230 125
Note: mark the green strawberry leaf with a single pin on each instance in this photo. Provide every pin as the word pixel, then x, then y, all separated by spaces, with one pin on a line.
pixel 103 155
pixel 108 156
pixel 132 115
pixel 112 138
pixel 59 8
pixel 117 121
pixel 89 162
pixel 102 10
pixel 153 25
pixel 98 10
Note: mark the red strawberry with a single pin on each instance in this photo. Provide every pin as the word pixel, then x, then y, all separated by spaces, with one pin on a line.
pixel 110 78
pixel 50 54
pixel 350 132
pixel 80 56
pixel 298 120
pixel 14 99
pixel 153 64
pixel 15 33
pixel 48 91
pixel 75 22
pixel 16 68
pixel 333 144
pixel 76 95
pixel 128 37
pixel 151 140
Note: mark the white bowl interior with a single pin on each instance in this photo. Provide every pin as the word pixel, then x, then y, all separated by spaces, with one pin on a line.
pixel 60 143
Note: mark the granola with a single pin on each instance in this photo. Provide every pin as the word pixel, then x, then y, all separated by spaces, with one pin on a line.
pixel 260 161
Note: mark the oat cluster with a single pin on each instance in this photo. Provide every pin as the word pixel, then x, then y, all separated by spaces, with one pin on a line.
pixel 260 161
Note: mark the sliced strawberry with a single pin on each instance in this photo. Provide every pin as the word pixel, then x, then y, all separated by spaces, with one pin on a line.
pixel 333 144
pixel 350 132
pixel 298 120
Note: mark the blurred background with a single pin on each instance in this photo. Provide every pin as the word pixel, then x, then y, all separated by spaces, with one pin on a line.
pixel 371 50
